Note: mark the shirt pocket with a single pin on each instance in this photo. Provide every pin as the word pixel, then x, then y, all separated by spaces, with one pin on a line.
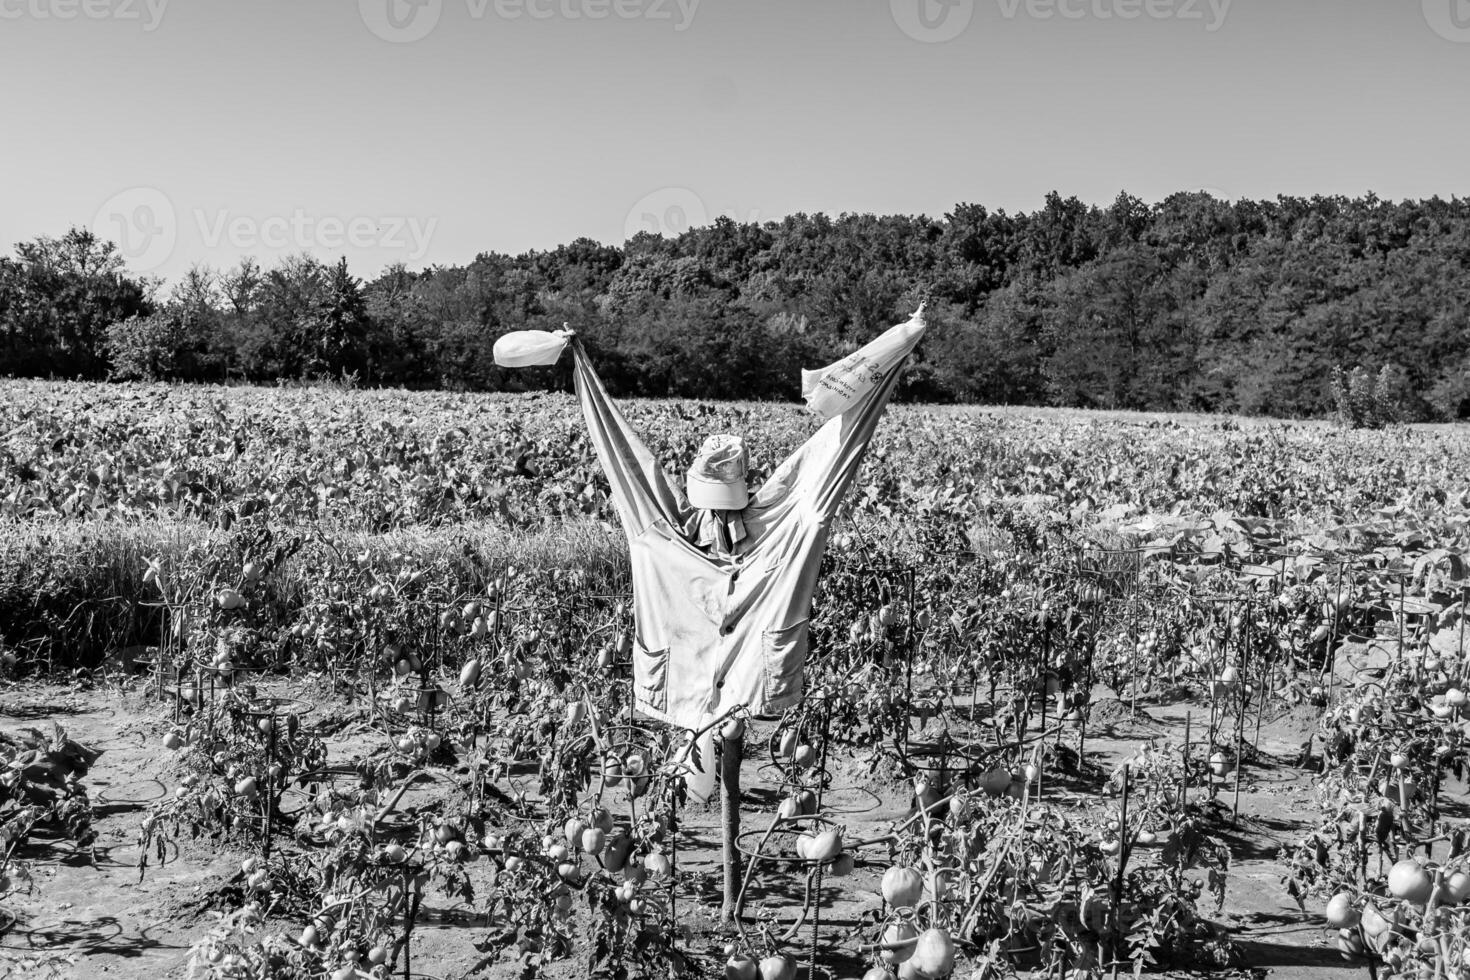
pixel 783 660
pixel 650 676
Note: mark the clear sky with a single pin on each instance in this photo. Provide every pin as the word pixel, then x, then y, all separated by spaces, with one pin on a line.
pixel 425 131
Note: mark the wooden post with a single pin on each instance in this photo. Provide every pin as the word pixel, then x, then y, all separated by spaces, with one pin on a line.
pixel 731 752
pixel 1125 840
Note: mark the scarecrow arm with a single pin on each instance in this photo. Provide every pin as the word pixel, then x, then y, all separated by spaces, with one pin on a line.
pixel 824 467
pixel 641 490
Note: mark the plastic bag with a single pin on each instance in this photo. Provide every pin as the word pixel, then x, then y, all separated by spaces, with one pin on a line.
pixel 834 389
pixel 699 780
pixel 530 348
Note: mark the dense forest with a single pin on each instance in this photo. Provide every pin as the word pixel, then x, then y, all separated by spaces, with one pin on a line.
pixel 1190 304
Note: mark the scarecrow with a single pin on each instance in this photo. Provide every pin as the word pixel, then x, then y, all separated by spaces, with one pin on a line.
pixel 723 577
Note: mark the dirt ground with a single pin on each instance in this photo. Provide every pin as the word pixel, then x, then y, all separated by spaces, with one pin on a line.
pixel 97 920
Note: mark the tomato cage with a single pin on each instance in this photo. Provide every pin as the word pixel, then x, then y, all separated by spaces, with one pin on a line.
pixel 629 753
pixel 195 682
pixel 1247 657
pixel 799 770
pixel 784 848
pixel 317 791
pixel 171 651
pixel 336 787
pixel 423 705
pixel 268 713
pixel 651 761
pixel 1110 573
pixel 947 762
pixel 173 682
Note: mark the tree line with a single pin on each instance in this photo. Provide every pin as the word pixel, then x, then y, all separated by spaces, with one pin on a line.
pixel 1193 304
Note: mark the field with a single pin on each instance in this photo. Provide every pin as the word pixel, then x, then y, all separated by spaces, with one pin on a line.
pixel 305 682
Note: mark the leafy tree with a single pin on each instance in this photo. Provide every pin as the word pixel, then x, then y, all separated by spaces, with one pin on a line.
pixel 57 298
pixel 1189 303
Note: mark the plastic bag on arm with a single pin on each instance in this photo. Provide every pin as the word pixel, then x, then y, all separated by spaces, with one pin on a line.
pixel 530 348
pixel 834 389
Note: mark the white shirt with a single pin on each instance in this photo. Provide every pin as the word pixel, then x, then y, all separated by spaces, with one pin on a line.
pixel 712 630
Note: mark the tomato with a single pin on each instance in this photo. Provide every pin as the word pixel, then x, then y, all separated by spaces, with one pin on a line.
pixel 1409 881
pixel 898 943
pixel 740 967
pixel 617 853
pixel 902 887
pixel 778 968
pixel 1350 943
pixel 934 954
pixel 825 846
pixel 469 674
pixel 1340 913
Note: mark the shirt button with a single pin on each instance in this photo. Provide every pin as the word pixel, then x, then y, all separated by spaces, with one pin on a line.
pixel 719 683
pixel 726 630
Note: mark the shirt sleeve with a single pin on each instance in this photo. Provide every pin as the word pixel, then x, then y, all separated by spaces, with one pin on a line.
pixel 824 467
pixel 641 491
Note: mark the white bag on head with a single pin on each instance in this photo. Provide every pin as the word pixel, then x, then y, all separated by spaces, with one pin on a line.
pixel 834 389
pixel 530 348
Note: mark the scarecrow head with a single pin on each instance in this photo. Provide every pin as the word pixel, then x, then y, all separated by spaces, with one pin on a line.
pixel 716 481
